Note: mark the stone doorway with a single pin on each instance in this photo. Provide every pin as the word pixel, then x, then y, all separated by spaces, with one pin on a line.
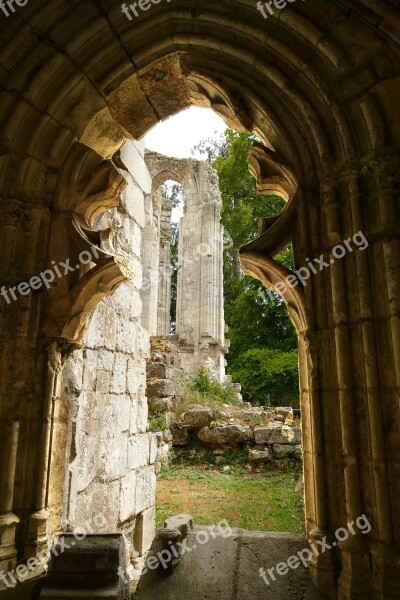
pixel 77 81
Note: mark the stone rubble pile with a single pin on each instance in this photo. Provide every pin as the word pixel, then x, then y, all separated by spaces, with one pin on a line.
pixel 269 433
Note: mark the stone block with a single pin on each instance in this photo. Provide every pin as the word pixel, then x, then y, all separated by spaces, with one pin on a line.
pixel 119 375
pixel 103 382
pixel 163 453
pixel 286 450
pixel 196 417
pixel 109 326
pixel 136 375
pixel 250 416
pixel 99 500
pixel 153 439
pixel 121 404
pixel 156 371
pixel 94 334
pixel 138 451
pixel 136 166
pixel 277 435
pixel 145 530
pixel 160 388
pixel 157 405
pixel 145 489
pixel 142 414
pixel 260 455
pixel 105 360
pixel 126 336
pixel 132 200
pixel 180 437
pixel 285 411
pixel 128 496
pixel 111 454
pixel 73 372
pixel 225 434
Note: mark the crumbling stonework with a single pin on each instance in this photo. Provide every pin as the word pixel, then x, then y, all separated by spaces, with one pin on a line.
pixel 164 385
pixel 319 84
pixel 200 324
pixel 110 454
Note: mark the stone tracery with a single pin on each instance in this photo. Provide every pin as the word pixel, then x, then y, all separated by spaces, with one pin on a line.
pixel 328 108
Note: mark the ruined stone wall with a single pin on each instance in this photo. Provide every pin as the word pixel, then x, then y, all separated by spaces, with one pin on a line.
pixel 110 456
pixel 200 325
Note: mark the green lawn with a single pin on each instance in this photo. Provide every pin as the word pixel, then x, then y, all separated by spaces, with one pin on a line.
pixel 263 501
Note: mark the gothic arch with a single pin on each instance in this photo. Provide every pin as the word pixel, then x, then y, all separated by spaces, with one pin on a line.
pixel 83 76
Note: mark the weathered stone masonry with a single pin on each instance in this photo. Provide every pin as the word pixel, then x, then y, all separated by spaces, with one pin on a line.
pixel 319 84
pixel 110 455
pixel 200 324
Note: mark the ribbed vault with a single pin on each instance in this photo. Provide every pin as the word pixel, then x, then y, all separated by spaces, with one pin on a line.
pixel 319 84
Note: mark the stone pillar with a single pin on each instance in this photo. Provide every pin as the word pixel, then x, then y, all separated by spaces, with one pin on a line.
pixel 39 529
pixel 164 286
pixel 200 309
pixel 23 244
pixel 8 520
pixel 151 261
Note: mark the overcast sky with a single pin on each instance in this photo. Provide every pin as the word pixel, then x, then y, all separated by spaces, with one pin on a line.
pixel 177 135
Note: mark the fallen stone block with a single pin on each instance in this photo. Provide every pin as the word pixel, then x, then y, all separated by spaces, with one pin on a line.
pixel 260 455
pixel 229 434
pixel 285 411
pixel 160 388
pixel 197 417
pixel 157 405
pixel 156 371
pixel 281 434
pixel 286 450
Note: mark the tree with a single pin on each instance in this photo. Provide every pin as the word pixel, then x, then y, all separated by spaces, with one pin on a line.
pixel 269 376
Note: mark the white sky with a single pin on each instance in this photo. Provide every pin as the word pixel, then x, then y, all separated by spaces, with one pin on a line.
pixel 177 135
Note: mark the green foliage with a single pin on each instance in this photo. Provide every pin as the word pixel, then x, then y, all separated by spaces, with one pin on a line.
pixel 158 422
pixel 210 388
pixel 264 372
pixel 201 388
pixel 256 319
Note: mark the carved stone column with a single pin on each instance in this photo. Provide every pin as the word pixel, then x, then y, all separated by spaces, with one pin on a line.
pixel 39 530
pixel 200 311
pixel 8 520
pixel 164 284
pixel 151 261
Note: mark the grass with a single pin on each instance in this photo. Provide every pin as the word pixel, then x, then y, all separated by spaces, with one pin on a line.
pixel 255 501
pixel 157 422
pixel 201 389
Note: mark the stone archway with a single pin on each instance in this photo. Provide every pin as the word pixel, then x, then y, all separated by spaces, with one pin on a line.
pixel 81 78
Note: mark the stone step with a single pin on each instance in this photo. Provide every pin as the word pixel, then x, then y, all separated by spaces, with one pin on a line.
pixel 111 592
pixel 87 568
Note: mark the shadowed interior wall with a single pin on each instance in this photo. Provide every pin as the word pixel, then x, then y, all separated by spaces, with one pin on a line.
pixel 319 83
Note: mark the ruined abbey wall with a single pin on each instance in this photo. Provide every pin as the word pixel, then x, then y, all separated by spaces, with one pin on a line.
pixel 110 456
